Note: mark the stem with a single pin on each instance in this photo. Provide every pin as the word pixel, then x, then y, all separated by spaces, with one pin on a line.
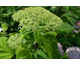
pixel 1 13
pixel 32 44
pixel 60 11
pixel 57 10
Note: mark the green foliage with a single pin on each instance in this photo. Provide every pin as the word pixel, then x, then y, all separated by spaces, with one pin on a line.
pixel 38 37
pixel 66 28
pixel 40 54
pixel 24 52
pixel 77 39
pixel 50 45
pixel 5 51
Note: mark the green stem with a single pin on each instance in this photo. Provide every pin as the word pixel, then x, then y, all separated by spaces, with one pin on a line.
pixel 1 13
pixel 57 10
pixel 60 10
pixel 32 44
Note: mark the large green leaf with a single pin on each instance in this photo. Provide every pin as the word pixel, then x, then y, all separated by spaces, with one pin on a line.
pixel 38 36
pixel 50 45
pixel 5 52
pixel 24 52
pixel 66 28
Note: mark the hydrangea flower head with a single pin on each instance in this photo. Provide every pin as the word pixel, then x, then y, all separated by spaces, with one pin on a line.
pixel 60 49
pixel 73 52
pixel 37 18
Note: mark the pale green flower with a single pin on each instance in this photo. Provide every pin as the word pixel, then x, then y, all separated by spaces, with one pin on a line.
pixel 33 18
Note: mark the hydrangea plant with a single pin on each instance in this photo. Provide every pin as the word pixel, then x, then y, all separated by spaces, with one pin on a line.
pixel 40 24
pixel 33 18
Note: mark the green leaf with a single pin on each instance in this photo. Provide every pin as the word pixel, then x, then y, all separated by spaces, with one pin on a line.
pixel 70 20
pixel 42 54
pixel 67 14
pixel 50 45
pixel 66 28
pixel 24 53
pixel 65 41
pixel 5 52
pixel 4 27
pixel 37 36
pixel 3 22
pixel 77 39
pixel 6 14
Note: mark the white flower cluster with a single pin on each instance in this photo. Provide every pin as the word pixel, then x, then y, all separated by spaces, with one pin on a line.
pixel 73 52
pixel 60 49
